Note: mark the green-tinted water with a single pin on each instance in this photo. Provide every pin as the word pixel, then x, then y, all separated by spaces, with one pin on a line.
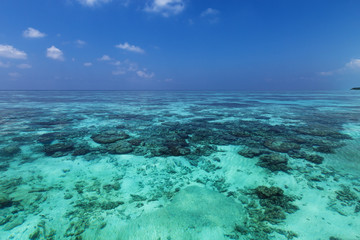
pixel 179 165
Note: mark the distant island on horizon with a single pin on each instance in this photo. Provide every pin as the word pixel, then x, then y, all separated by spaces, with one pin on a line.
pixel 355 88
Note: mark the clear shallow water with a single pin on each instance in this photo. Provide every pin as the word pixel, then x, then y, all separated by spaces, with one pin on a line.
pixel 179 165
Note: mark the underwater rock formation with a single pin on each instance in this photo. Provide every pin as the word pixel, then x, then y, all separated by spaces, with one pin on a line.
pixel 347 197
pixel 10 150
pixel 58 149
pixel 346 201
pixel 81 150
pixel 274 162
pixel 251 152
pixel 275 203
pixel 314 158
pixel 14 223
pixel 120 147
pixel 264 192
pixel 279 146
pixel 109 137
pixel 324 149
pixel 47 138
pixel 5 201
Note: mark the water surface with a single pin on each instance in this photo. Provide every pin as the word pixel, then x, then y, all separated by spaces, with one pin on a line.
pixel 179 165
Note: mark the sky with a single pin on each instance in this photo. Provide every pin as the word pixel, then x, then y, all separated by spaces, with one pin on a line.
pixel 254 45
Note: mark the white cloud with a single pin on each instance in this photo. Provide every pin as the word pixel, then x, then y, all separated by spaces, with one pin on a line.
pixel 131 67
pixel 14 74
pixel 80 43
pixel 104 58
pixel 117 63
pixel 54 53
pixel 209 11
pixel 166 7
pixel 128 67
pixel 124 67
pixel 33 33
pixel 92 3
pixel 145 74
pixel 354 64
pixel 212 15
pixel 8 51
pixel 4 65
pixel 24 66
pixel 132 48
pixel 88 64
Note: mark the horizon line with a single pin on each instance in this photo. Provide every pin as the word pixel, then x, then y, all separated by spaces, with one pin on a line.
pixel 169 90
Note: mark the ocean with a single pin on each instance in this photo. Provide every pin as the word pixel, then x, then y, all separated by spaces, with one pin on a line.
pixel 179 165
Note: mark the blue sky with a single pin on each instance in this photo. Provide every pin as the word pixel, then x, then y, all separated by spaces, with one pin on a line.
pixel 179 44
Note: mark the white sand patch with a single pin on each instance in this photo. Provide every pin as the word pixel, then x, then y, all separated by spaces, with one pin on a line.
pixel 194 213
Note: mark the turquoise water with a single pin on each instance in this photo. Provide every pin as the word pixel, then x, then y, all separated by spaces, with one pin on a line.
pixel 179 165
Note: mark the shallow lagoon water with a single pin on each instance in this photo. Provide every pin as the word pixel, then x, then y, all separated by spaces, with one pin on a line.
pixel 179 165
